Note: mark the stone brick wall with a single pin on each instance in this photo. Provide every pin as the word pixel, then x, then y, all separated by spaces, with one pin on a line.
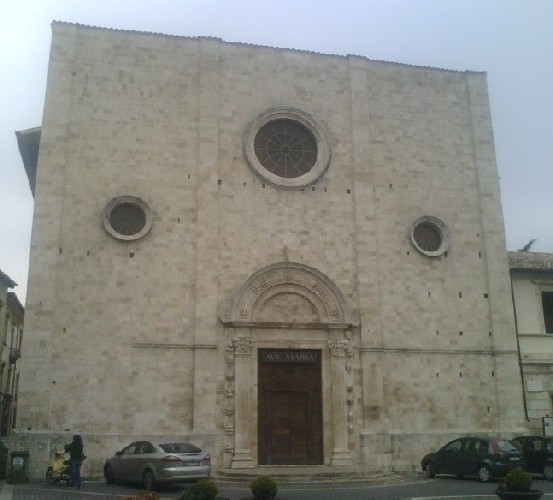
pixel 124 338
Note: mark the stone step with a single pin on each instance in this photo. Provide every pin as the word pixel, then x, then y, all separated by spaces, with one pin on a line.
pixel 299 474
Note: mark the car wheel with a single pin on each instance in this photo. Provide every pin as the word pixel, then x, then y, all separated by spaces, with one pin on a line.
pixel 548 472
pixel 430 471
pixel 484 474
pixel 108 474
pixel 148 480
pixel 49 478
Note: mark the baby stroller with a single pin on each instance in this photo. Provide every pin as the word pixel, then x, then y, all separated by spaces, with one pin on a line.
pixel 59 470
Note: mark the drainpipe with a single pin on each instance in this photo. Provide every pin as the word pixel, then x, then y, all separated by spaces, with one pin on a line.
pixel 519 355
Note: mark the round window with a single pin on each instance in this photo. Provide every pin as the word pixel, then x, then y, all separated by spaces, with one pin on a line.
pixel 127 218
pixel 287 149
pixel 430 236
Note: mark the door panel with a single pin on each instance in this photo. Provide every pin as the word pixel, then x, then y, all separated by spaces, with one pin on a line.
pixel 290 413
pixel 287 429
pixel 532 453
pixel 449 457
pixel 122 467
pixel 471 458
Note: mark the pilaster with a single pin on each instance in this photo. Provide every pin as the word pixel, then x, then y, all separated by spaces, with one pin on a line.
pixel 207 238
pixel 242 458
pixel 341 454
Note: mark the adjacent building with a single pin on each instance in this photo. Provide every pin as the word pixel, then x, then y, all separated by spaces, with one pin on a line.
pixel 11 333
pixel 288 258
pixel 532 279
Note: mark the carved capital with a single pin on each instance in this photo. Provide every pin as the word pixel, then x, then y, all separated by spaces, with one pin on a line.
pixel 242 345
pixel 338 348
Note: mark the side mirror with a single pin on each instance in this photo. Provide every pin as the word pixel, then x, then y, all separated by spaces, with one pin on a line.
pixel 118 453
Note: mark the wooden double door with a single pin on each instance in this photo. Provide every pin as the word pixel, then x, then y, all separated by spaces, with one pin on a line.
pixel 290 407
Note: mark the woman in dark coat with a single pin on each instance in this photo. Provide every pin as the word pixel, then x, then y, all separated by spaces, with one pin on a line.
pixel 76 457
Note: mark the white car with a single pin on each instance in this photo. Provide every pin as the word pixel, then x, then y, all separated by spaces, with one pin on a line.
pixel 157 463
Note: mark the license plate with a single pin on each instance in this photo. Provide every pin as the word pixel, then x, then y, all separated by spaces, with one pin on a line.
pixel 514 459
pixel 191 463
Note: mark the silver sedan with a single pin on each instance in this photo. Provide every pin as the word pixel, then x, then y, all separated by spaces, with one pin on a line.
pixel 157 463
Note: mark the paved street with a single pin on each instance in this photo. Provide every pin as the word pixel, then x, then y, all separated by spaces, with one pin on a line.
pixel 410 487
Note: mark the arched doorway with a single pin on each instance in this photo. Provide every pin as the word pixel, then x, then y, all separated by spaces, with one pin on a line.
pixel 288 345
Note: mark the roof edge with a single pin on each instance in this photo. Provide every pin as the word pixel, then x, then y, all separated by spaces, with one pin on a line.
pixel 6 280
pixel 15 306
pixel 28 142
pixel 261 46
pixel 530 261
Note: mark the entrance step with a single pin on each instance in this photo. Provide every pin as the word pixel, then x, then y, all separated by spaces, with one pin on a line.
pixel 299 474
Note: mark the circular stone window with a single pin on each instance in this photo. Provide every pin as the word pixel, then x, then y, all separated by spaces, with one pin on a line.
pixel 430 236
pixel 287 149
pixel 127 218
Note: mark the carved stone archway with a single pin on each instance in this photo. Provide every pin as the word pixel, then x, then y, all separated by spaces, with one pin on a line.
pixel 290 283
pixel 294 278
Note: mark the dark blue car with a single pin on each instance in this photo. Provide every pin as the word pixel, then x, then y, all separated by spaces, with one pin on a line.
pixel 483 457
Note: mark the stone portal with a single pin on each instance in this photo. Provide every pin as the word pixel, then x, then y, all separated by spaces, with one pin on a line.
pixel 291 331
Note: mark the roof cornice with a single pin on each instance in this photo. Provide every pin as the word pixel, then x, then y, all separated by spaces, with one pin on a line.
pixel 28 142
pixel 6 280
pixel 530 261
pixel 283 49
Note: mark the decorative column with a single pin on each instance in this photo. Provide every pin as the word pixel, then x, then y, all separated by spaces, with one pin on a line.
pixel 339 350
pixel 242 412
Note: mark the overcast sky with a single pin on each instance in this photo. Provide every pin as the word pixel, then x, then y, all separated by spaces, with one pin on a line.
pixel 510 40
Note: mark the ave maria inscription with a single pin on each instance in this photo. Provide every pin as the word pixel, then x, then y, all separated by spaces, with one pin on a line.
pixel 289 356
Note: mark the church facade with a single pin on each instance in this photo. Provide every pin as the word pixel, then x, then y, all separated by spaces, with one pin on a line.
pixel 285 257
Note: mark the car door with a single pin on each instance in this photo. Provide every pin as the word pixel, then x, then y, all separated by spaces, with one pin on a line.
pixel 548 458
pixel 470 457
pixel 3 459
pixel 533 454
pixel 122 466
pixel 144 457
pixel 449 458
pixel 519 443
pixel 138 460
